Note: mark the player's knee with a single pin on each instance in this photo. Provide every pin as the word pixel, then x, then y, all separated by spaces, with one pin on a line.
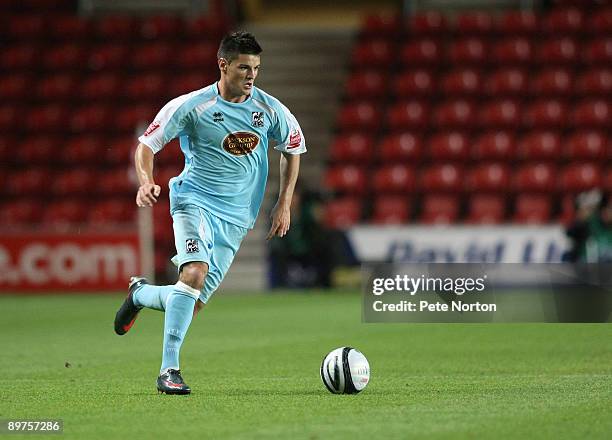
pixel 193 274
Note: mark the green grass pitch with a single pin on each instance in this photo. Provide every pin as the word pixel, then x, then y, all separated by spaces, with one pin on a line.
pixel 253 364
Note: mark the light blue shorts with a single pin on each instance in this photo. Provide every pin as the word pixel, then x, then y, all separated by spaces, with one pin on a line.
pixel 202 236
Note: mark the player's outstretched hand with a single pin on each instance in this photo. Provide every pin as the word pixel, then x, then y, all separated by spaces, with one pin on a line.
pixel 147 194
pixel 281 219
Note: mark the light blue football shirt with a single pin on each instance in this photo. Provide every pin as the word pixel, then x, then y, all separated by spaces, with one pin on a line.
pixel 226 149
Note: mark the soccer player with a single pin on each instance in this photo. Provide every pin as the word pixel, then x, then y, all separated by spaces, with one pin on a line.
pixel 224 131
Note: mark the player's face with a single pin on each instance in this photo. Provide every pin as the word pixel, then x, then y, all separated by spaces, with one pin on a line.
pixel 240 73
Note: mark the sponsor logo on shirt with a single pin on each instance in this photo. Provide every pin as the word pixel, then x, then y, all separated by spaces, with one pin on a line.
pixel 257 119
pixel 295 139
pixel 154 126
pixel 240 143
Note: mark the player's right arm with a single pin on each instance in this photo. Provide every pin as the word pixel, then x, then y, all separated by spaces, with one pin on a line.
pixel 148 191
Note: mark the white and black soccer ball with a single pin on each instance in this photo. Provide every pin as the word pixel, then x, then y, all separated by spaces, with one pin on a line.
pixel 345 370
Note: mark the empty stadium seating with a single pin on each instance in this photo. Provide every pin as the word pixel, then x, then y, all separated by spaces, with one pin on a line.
pixel 478 117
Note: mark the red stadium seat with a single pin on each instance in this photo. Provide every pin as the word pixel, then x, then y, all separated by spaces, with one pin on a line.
pixel 144 86
pixel 468 51
pixel 592 113
pixel 41 150
pixel 359 116
pixel 196 55
pixel 163 175
pixel 552 82
pixel 496 145
pixel 598 51
pixel 503 113
pixel 380 25
pixel 211 27
pixel 488 177
pixel 580 177
pixel 607 180
pixel 33 181
pixel 112 211
pixel 100 86
pixel 10 117
pixel 423 52
pixel 459 113
pixel 399 179
pixel 108 56
pixel 391 210
pixel 546 114
pixel 413 82
pixel 120 151
pixel 70 27
pixel 568 212
pixel 449 147
pixel 599 22
pixel 93 117
pixel 557 51
pixel 507 82
pixel 74 182
pixel 588 145
pixel 538 177
pixel 346 179
pixel 21 56
pixel 407 114
pixel 188 82
pixel 64 56
pixel 512 51
pixel 27 27
pixel 532 209
pixel 342 213
pixel 81 150
pixel 474 23
pixel 366 84
pixel 540 145
pixel 352 147
pixel 461 82
pixel 48 118
pixel 517 23
pixel 153 55
pixel 128 118
pixel 595 82
pixel 115 27
pixel 115 182
pixel 402 146
pixel 20 212
pixel 159 27
pixel 65 211
pixel 427 23
pixel 373 53
pixel 486 209
pixel 442 178
pixel 563 21
pixel 57 87
pixel 14 87
pixel 439 209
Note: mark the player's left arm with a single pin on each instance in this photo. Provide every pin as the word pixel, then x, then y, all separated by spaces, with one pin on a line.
pixel 281 213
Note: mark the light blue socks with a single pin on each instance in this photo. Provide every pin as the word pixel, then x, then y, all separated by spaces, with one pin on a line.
pixel 179 312
pixel 153 297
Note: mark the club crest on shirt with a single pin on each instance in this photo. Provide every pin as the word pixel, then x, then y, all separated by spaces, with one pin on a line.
pixel 191 246
pixel 240 143
pixel 257 119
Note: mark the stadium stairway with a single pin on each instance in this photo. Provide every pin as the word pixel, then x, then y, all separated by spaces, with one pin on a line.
pixel 305 68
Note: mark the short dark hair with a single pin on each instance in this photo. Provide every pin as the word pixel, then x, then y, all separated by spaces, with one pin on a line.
pixel 237 43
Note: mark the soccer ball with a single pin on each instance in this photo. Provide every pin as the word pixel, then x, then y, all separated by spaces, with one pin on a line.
pixel 345 370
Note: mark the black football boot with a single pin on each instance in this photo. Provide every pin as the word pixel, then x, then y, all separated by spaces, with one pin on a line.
pixel 127 313
pixel 171 382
